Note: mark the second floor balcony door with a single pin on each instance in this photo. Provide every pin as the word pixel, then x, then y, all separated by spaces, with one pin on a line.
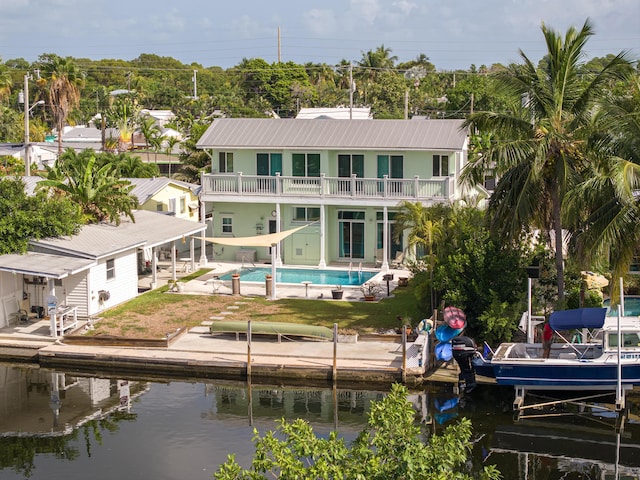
pixel 268 164
pixel 349 165
pixel 392 167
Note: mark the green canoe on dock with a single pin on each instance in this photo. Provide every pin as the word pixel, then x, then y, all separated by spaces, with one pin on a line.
pixel 280 329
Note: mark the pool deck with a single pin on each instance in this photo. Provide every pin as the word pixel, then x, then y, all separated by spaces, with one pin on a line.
pixel 207 283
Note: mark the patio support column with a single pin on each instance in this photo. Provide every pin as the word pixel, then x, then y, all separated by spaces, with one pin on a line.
pixel 274 284
pixel 385 239
pixel 173 261
pixel 323 262
pixel 203 244
pixel 192 253
pixel 278 257
pixel 154 268
pixel 51 309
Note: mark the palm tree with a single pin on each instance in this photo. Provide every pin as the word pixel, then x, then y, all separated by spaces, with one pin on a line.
pixel 63 81
pixel 425 229
pixel 606 203
pixel 170 143
pixel 539 150
pixel 149 130
pixel 373 62
pixel 5 83
pixel 128 166
pixel 103 105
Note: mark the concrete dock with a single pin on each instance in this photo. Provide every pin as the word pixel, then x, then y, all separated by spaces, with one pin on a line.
pixel 197 353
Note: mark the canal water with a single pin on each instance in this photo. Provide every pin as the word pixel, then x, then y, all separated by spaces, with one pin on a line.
pixel 56 425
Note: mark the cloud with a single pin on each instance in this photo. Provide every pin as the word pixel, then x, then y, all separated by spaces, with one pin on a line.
pixel 366 10
pixel 404 6
pixel 320 22
pixel 247 27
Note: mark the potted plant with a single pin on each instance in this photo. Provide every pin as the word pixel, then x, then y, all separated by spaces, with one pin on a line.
pixel 347 335
pixel 370 290
pixel 337 292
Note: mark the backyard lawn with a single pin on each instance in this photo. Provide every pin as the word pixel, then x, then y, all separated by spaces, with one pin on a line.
pixel 156 313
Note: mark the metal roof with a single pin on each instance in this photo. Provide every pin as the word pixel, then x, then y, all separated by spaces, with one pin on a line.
pixel 99 240
pixel 390 135
pixel 145 188
pixel 44 264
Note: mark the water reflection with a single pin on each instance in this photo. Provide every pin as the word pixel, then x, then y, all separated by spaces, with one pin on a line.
pixel 32 400
pixel 59 425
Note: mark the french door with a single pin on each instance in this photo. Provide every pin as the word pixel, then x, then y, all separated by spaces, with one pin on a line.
pixel 351 233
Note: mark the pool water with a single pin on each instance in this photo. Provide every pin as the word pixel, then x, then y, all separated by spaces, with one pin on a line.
pixel 299 275
pixel 631 307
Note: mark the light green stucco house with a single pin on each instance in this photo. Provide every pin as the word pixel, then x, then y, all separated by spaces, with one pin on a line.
pixel 346 176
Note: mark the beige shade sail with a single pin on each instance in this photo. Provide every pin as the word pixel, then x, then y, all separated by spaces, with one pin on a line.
pixel 255 241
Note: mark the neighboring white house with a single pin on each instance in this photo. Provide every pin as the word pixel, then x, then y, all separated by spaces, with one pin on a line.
pixel 96 269
pixel 161 117
pixel 347 177
pixel 42 153
pixel 337 113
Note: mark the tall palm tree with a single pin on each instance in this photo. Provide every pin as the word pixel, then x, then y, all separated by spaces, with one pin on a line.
pixel 373 62
pixel 539 150
pixel 63 81
pixel 103 105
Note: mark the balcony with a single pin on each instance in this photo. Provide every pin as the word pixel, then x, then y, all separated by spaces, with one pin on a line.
pixel 328 188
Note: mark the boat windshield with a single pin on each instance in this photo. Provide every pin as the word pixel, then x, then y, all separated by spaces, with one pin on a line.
pixel 629 340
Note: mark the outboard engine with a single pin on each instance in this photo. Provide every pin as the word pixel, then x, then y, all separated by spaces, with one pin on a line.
pixel 464 349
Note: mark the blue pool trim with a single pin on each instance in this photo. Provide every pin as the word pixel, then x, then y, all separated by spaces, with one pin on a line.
pixel 295 276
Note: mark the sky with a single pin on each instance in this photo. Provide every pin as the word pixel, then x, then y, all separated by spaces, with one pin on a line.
pixel 453 34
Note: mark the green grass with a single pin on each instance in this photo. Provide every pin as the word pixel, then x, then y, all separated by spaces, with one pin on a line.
pixel 189 310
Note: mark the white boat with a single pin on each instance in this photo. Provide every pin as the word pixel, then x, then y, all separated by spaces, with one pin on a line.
pixel 597 363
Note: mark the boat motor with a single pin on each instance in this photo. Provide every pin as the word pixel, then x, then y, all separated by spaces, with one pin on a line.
pixel 464 349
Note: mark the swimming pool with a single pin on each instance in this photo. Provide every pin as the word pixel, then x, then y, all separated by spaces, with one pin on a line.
pixel 631 307
pixel 299 275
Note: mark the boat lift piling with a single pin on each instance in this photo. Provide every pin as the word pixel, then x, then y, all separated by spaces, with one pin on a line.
pixel 620 400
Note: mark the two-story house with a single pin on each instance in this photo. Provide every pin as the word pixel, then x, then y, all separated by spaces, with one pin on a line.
pixel 346 176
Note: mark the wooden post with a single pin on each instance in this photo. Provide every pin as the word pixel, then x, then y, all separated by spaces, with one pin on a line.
pixel 432 336
pixel 334 373
pixel 404 354
pixel 249 349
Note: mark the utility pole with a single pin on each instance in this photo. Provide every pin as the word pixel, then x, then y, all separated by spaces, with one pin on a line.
pixel 195 85
pixel 279 46
pixel 27 159
pixel 406 104
pixel 350 91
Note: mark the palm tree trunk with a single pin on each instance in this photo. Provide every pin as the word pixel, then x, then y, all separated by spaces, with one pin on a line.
pixel 559 243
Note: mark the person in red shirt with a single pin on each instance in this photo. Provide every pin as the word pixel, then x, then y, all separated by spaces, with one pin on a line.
pixel 547 338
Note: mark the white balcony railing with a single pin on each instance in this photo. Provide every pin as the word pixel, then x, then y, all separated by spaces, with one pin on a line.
pixel 237 184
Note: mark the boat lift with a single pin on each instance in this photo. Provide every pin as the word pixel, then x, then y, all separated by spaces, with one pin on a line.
pixel 585 403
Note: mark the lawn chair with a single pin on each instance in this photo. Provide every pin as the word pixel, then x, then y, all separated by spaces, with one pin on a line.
pixel 398 261
pixel 19 311
pixel 26 312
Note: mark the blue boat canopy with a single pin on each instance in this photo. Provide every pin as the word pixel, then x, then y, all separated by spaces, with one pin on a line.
pixel 578 318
